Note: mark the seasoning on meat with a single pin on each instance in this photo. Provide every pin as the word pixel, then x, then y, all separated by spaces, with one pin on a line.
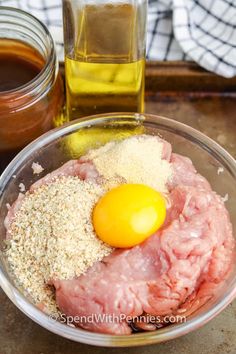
pixel 137 159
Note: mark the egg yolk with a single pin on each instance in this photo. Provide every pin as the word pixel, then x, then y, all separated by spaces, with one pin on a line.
pixel 128 214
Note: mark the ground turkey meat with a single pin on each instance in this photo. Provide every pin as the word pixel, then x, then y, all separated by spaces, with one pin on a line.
pixel 178 268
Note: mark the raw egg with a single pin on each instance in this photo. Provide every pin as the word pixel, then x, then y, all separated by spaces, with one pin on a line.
pixel 126 215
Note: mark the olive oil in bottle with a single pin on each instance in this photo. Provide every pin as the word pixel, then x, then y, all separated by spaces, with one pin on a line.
pixel 104 57
pixel 104 87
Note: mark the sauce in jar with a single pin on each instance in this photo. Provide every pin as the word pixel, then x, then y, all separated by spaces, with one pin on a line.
pixel 31 89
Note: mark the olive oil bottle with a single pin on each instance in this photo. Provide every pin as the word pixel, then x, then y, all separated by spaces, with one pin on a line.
pixel 104 56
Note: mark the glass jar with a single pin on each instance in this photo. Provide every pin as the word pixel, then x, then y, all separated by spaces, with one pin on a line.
pixel 28 110
pixel 104 56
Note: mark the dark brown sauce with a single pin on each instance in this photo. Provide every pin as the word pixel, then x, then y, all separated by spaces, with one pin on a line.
pixel 19 64
pixel 15 72
pixel 25 115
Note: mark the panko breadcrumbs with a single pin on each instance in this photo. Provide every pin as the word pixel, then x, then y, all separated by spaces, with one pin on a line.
pixel 52 236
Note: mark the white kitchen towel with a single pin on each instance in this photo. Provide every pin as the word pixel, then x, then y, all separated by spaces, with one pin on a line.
pixel 199 30
pixel 206 31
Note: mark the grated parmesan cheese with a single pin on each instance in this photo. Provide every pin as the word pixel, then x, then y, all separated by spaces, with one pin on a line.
pixel 22 187
pixel 37 168
pixel 136 160
pixel 220 170
pixel 225 198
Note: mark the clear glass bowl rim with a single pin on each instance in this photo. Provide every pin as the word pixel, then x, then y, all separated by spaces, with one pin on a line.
pixel 106 340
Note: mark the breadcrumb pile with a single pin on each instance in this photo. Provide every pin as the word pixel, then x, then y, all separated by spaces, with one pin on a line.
pixel 136 160
pixel 52 236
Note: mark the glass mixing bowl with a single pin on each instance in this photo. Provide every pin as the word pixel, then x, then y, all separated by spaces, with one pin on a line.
pixel 70 141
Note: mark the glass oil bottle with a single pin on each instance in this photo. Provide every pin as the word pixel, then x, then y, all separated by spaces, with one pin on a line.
pixel 104 56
